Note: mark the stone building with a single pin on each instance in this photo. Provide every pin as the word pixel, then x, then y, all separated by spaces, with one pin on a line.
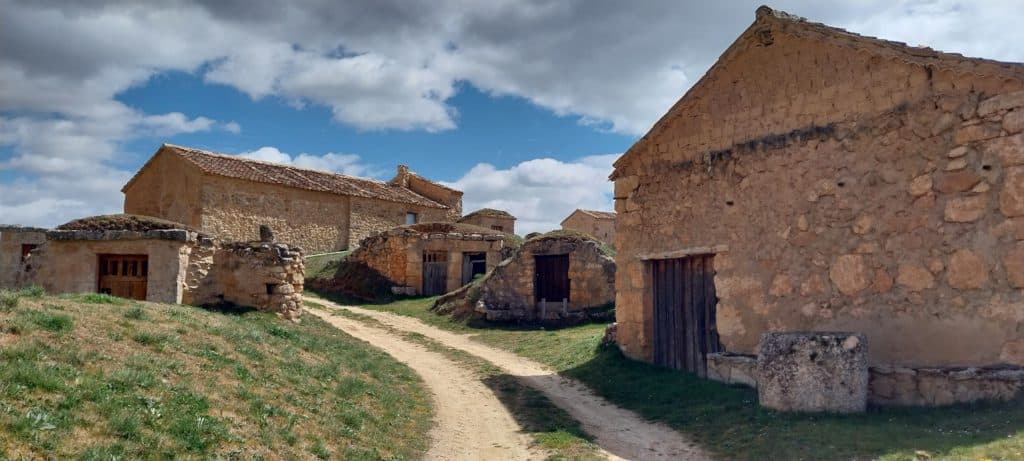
pixel 16 245
pixel 431 258
pixel 819 180
pixel 489 218
pixel 140 257
pixel 552 278
pixel 229 197
pixel 600 224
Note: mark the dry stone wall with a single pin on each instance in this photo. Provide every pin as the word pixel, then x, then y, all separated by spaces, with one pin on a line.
pixel 12 271
pixel 602 229
pixel 507 294
pixel 371 216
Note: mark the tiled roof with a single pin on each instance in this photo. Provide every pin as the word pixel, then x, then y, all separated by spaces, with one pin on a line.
pixel 490 212
pixel 599 214
pixel 233 166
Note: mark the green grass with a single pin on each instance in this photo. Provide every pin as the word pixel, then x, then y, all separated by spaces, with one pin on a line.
pixel 95 377
pixel 727 419
pixel 316 264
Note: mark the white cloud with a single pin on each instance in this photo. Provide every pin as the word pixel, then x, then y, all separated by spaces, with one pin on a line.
pixel 348 164
pixel 540 193
pixel 232 127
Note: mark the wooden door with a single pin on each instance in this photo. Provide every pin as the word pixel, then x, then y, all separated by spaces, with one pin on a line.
pixel 684 312
pixel 473 264
pixel 551 278
pixel 124 276
pixel 435 273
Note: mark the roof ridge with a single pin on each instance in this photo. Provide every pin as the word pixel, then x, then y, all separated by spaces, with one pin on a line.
pixel 241 158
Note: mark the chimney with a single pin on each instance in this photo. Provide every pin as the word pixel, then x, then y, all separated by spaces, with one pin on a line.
pixel 403 175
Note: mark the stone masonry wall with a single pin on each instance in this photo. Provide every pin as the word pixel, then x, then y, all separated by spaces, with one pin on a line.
pixel 508 293
pixel 507 225
pixel 372 216
pixel 232 210
pixel 602 229
pixel 169 188
pixel 263 275
pixel 11 270
pixel 863 193
pixel 398 254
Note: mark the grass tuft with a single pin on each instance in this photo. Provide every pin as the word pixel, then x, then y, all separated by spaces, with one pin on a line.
pixel 135 313
pixel 57 323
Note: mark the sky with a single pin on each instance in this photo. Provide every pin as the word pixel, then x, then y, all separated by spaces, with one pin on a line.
pixel 524 105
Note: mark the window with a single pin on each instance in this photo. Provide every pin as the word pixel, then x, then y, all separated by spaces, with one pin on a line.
pixel 498 228
pixel 411 218
pixel 27 248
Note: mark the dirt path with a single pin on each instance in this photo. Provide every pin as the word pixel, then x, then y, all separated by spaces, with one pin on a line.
pixel 471 423
pixel 622 433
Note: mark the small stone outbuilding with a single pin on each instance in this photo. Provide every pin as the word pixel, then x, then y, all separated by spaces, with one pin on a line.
pixel 489 218
pixel 228 197
pixel 144 258
pixel 819 180
pixel 600 224
pixel 430 259
pixel 16 245
pixel 558 277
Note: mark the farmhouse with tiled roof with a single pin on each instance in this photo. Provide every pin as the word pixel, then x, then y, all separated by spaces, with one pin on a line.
pixel 230 196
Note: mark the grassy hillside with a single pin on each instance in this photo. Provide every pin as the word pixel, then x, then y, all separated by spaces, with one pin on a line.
pixel 95 377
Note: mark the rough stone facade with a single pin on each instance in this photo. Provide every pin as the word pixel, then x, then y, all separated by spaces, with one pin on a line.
pixel 508 293
pixel 489 218
pixel 14 242
pixel 600 224
pixel 843 183
pixel 398 254
pixel 450 198
pixel 183 266
pixel 228 197
pixel 813 372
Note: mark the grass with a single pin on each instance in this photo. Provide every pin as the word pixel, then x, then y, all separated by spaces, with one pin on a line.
pixel 727 419
pixel 95 377
pixel 316 264
pixel 550 427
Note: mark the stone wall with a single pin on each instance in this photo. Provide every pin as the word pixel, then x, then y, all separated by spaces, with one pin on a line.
pixel 507 225
pixel 262 275
pixel 167 187
pixel 898 385
pixel 371 216
pixel 602 229
pixel 12 272
pixel 233 209
pixel 862 193
pixel 69 261
pixel 507 294
pixel 398 253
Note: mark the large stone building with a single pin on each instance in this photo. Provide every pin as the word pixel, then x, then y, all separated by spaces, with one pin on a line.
pixel 499 220
pixel 229 197
pixel 600 224
pixel 815 179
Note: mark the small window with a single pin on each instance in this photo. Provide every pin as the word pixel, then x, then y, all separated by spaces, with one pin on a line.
pixel 27 248
pixel 498 228
pixel 412 218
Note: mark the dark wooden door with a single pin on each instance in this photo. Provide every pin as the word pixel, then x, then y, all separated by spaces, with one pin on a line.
pixel 435 273
pixel 124 276
pixel 473 264
pixel 684 312
pixel 551 278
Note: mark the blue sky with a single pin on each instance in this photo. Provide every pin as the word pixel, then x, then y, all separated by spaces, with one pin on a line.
pixel 522 105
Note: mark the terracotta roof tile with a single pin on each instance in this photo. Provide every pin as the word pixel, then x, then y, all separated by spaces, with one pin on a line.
pixel 233 166
pixel 599 214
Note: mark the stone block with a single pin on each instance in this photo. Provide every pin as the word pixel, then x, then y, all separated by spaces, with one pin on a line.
pixel 813 371
pixel 1001 102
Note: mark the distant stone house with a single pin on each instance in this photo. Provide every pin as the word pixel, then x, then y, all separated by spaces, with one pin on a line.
pixel 815 179
pixel 229 197
pixel 600 224
pixel 499 220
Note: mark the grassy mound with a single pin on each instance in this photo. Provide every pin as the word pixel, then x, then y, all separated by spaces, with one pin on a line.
pixel 97 377
pixel 128 222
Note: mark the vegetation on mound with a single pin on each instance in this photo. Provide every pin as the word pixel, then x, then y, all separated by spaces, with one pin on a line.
pixel 574 235
pixel 727 419
pixel 349 279
pixel 97 377
pixel 128 222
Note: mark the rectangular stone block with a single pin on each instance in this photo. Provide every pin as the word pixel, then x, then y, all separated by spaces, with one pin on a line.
pixel 813 372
